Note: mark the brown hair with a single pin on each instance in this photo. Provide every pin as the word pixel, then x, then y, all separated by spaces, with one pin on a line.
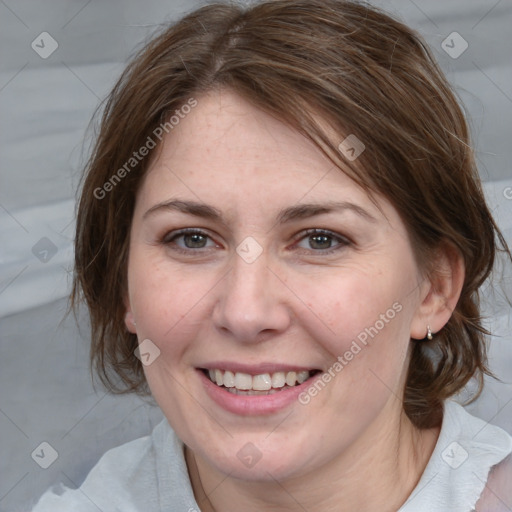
pixel 301 61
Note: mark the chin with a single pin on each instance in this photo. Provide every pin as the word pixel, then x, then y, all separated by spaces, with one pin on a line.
pixel 254 462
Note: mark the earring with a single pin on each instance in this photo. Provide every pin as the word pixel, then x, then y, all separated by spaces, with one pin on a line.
pixel 429 333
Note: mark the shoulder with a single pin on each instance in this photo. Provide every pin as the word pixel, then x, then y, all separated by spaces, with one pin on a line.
pixel 497 494
pixel 123 477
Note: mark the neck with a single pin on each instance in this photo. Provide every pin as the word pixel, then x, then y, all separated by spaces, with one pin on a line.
pixel 378 472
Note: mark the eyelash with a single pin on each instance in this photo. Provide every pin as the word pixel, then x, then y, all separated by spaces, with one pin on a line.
pixel 169 239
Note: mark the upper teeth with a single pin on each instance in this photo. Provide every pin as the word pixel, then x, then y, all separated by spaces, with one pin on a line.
pixel 262 382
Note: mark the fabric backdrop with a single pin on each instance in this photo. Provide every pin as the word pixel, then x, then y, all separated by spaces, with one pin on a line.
pixel 59 58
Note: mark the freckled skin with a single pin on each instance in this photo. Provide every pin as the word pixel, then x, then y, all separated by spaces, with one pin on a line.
pixel 292 305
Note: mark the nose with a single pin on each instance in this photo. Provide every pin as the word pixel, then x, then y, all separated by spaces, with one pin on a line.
pixel 251 305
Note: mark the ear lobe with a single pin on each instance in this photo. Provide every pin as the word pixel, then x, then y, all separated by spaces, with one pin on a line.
pixel 441 292
pixel 129 321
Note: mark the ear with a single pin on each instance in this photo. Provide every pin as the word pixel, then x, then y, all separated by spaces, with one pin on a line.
pixel 129 319
pixel 440 292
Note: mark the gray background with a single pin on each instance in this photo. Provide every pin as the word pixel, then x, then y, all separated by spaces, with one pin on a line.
pixel 45 105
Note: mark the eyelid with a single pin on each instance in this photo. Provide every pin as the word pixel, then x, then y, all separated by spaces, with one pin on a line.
pixel 170 236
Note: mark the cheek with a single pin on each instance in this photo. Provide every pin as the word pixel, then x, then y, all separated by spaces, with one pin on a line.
pixel 362 321
pixel 166 302
pixel 355 306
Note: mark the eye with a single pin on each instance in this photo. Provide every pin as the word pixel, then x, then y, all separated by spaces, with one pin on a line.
pixel 322 241
pixel 188 240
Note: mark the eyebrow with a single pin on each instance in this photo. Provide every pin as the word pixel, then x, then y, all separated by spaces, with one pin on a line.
pixel 304 211
pixel 298 212
pixel 191 207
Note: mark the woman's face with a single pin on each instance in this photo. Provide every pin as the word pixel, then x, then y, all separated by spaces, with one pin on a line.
pixel 285 267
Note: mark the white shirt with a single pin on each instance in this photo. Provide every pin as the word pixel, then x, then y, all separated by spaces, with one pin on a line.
pixel 150 474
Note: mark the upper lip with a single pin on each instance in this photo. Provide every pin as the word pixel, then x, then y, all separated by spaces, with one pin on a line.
pixel 255 369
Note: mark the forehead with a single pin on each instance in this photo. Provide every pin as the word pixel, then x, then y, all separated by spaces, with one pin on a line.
pixel 231 154
pixel 224 128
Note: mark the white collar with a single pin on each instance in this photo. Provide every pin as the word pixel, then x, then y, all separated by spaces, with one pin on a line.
pixel 457 471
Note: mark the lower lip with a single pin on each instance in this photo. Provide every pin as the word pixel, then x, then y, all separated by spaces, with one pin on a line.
pixel 252 405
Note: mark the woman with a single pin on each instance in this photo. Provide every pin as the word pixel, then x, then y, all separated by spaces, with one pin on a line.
pixel 281 236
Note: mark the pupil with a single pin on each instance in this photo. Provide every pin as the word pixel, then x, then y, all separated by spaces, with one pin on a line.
pixel 320 242
pixel 194 241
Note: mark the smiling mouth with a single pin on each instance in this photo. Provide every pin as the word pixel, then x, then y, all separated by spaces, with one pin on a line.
pixel 263 384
